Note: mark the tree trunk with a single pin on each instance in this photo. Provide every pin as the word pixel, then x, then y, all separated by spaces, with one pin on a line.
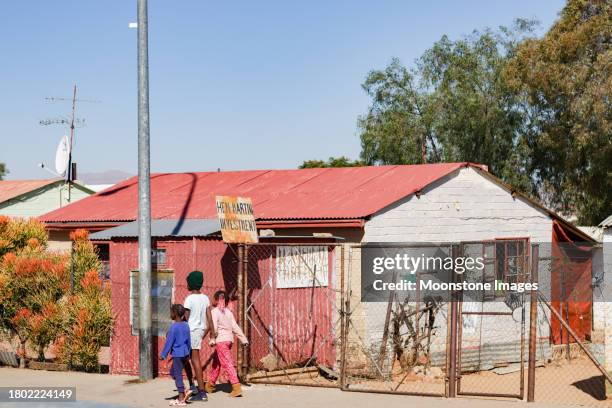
pixel 22 353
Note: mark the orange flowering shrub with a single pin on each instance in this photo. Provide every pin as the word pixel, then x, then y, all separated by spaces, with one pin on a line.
pixel 80 234
pixel 4 220
pixel 19 233
pixel 32 282
pixel 45 327
pixel 36 302
pixel 84 256
pixel 89 324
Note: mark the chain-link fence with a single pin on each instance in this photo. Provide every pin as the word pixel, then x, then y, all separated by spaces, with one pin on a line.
pixel 303 308
pixel 568 364
pixel 172 262
pixel 397 345
pixel 294 314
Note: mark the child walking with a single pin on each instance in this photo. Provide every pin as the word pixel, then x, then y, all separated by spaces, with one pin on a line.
pixel 225 326
pixel 197 314
pixel 178 344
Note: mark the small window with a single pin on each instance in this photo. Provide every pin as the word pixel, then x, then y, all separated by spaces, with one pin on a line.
pixel 158 256
pixel 161 292
pixel 104 257
pixel 511 258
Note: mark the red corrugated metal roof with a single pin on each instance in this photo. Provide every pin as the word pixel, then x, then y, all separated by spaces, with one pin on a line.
pixel 327 193
pixel 14 188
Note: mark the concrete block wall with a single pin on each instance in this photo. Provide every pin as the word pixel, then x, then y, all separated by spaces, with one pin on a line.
pixel 464 206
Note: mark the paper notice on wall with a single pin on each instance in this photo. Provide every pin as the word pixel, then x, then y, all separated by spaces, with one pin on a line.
pixel 302 266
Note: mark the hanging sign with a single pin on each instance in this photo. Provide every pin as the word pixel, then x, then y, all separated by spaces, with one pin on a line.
pixel 236 219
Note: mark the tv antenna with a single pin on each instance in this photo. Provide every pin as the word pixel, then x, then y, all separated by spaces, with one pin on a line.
pixel 72 122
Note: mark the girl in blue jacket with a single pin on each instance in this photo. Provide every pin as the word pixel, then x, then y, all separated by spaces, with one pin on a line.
pixel 178 344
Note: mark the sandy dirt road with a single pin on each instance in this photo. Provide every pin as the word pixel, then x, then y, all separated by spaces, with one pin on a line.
pixel 112 391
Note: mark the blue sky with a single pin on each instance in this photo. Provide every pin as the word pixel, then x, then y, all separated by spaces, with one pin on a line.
pixel 233 84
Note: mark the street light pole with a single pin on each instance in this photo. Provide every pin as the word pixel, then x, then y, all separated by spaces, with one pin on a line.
pixel 144 201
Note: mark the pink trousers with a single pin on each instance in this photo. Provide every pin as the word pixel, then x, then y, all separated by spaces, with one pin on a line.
pixel 222 358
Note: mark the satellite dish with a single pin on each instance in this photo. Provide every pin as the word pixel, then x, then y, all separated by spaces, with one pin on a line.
pixel 62 156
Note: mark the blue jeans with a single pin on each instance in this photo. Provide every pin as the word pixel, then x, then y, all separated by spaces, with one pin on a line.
pixel 177 372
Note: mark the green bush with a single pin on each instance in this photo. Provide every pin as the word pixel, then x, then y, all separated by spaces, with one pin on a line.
pixel 89 323
pixel 36 302
pixel 84 256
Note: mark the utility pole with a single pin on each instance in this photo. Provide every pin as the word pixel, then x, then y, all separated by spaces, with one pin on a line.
pixel 144 201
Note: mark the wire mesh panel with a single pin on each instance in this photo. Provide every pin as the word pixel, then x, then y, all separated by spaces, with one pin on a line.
pixel 492 323
pixel 293 313
pixel 172 262
pixel 309 322
pixel 565 373
pixel 397 345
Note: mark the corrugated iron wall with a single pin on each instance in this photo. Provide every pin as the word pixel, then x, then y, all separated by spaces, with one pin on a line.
pixel 293 323
pixel 213 257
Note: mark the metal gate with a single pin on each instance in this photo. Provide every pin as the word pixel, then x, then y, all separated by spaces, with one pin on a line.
pixel 309 325
pixel 492 324
pixel 398 346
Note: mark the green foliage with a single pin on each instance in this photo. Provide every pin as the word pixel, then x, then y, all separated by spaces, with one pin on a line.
pixel 84 256
pixel 3 170
pixel 451 106
pixel 89 323
pixel 398 126
pixel 565 81
pixel 36 303
pixel 341 161
pixel 18 233
pixel 477 118
pixel 537 112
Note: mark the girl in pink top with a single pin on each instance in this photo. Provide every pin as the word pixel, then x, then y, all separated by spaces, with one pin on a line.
pixel 225 327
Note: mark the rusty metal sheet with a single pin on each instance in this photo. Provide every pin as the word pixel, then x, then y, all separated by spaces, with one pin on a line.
pixel 236 219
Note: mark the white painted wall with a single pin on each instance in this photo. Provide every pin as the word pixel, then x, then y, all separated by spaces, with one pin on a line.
pixel 607 287
pixel 464 206
pixel 42 201
pixel 599 305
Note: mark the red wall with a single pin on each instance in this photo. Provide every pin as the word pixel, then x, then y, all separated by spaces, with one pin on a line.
pixel 212 257
pixel 293 323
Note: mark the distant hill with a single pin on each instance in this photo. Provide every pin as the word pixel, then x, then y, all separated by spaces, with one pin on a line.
pixel 104 177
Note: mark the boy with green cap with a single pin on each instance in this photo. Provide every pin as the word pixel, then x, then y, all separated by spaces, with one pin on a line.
pixel 198 317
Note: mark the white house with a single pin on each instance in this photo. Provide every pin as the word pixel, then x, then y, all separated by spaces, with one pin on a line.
pixel 32 198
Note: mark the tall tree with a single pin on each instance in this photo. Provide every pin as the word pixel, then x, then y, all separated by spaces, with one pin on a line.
pixel 451 106
pixel 341 161
pixel 3 170
pixel 398 125
pixel 566 83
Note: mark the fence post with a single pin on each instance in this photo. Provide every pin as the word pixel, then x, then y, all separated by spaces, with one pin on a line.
pixel 342 320
pixel 240 306
pixel 452 370
pixel 245 321
pixel 533 325
pixel 346 305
